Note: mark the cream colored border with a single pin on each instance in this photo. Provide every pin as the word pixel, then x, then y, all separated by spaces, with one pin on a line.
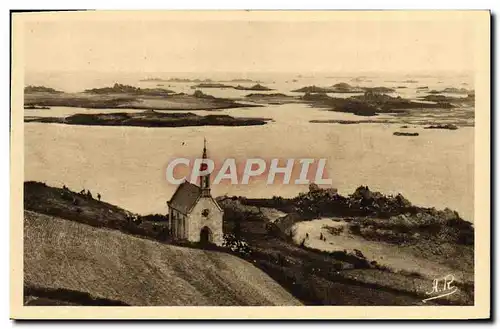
pixel 482 177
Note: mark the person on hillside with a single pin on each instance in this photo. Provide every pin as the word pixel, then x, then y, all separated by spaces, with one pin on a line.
pixel 99 196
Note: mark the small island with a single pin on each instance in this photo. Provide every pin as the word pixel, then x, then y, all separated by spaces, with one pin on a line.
pixel 34 107
pixel 178 80
pixel 451 90
pixel 212 85
pixel 257 87
pixel 350 122
pixel 272 99
pixel 242 81
pixel 342 88
pixel 336 88
pixel 131 90
pixel 369 104
pixel 150 118
pixel 469 100
pixel 398 133
pixel 447 126
pixel 41 89
pixel 379 90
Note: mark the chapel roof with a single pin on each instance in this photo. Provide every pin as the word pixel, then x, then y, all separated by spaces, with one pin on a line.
pixel 185 197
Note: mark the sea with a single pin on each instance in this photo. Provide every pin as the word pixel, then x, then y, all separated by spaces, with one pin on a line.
pixel 127 165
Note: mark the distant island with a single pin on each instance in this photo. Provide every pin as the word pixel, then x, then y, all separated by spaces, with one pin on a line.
pixel 350 122
pixel 149 118
pixel 131 90
pixel 34 107
pixel 448 126
pixel 125 96
pixel 41 89
pixel 469 100
pixel 336 88
pixel 212 85
pixel 272 99
pixel 242 81
pixel 398 133
pixel 460 91
pixel 368 104
pixel 257 87
pixel 343 88
pixel 184 80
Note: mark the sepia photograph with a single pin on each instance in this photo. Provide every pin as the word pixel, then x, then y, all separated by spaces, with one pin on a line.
pixel 332 162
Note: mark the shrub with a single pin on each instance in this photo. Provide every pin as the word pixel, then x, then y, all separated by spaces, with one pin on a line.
pixel 236 245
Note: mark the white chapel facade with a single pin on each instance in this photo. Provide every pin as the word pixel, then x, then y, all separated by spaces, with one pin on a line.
pixel 193 214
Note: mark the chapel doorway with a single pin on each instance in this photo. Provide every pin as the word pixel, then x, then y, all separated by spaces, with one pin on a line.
pixel 206 236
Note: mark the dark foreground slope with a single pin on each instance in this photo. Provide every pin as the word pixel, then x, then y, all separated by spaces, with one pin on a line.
pixel 69 263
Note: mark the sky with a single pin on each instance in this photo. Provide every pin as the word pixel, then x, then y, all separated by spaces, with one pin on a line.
pixel 166 45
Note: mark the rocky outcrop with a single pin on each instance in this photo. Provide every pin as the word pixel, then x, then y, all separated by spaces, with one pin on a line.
pixel 442 126
pixel 150 118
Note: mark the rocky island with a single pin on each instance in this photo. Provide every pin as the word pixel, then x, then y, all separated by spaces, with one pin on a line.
pixel 336 88
pixel 256 87
pixel 149 118
pixel 124 96
pixel 469 100
pixel 34 107
pixel 178 80
pixel 272 99
pixel 41 89
pixel 452 90
pixel 343 87
pixel 368 104
pixel 398 133
pixel 448 126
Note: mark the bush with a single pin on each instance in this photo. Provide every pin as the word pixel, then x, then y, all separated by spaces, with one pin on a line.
pixel 236 245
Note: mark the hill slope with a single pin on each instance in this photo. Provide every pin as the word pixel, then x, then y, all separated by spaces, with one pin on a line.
pixel 100 266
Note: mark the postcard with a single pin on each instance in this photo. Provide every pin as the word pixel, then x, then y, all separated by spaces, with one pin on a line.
pixel 250 165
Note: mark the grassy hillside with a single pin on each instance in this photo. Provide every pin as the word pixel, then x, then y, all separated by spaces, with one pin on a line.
pixel 69 263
